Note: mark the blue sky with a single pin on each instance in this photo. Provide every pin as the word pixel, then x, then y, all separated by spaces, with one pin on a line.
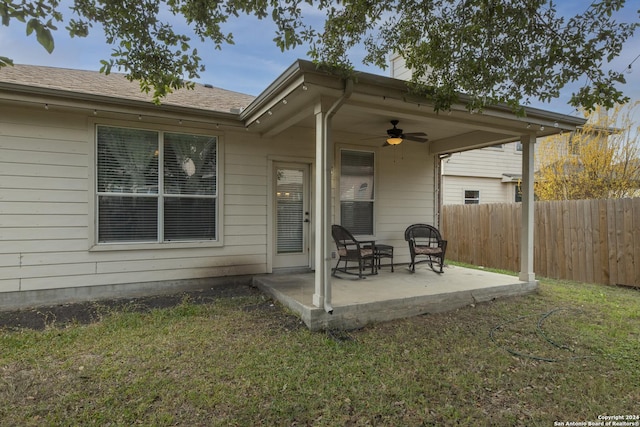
pixel 254 61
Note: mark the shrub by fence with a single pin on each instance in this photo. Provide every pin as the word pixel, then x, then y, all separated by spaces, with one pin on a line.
pixel 594 241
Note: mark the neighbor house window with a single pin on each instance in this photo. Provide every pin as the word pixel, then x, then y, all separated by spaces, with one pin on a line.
pixel 574 144
pixel 356 191
pixel 155 186
pixel 471 197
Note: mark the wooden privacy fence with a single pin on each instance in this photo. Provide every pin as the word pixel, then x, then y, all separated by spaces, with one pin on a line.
pixel 595 241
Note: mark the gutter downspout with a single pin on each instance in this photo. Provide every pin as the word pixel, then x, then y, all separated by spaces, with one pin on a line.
pixel 326 196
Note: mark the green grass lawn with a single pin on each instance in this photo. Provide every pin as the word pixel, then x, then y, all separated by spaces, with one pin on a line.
pixel 569 353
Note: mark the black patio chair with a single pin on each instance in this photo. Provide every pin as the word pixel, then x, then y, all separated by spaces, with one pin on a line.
pixel 352 250
pixel 425 240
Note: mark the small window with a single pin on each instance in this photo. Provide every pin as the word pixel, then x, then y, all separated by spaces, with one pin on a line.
pixel 519 146
pixel 471 197
pixel 518 192
pixel 356 191
pixel 155 186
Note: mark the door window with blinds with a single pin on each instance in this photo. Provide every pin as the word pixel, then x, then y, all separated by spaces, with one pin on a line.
pixel 357 194
pixel 155 186
pixel 290 210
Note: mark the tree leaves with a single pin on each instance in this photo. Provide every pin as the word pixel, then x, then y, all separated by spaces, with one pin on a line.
pixel 507 51
pixel 4 61
pixel 495 51
pixel 599 161
pixel 34 15
pixel 43 34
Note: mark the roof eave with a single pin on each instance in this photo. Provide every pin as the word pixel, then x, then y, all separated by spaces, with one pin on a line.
pixel 72 99
pixel 303 72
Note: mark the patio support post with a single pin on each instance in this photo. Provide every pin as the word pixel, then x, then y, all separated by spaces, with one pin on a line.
pixel 526 234
pixel 324 164
pixel 322 201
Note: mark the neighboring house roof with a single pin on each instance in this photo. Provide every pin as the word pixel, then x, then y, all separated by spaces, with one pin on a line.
pixel 116 86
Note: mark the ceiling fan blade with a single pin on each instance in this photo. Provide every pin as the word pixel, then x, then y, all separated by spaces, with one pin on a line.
pixel 415 138
pixel 415 134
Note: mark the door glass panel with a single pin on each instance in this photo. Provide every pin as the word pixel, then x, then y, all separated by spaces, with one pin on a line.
pixel 290 210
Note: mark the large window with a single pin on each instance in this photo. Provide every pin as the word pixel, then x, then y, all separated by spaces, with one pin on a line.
pixel 356 191
pixel 155 186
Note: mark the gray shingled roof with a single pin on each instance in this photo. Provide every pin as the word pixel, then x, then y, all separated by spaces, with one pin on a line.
pixel 115 85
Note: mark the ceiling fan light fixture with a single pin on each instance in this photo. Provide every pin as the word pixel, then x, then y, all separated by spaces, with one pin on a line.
pixel 394 140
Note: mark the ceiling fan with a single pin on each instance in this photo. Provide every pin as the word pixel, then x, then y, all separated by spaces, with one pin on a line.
pixel 395 135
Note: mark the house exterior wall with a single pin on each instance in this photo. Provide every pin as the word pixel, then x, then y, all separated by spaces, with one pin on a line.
pixel 405 191
pixel 47 222
pixel 486 170
pixel 489 190
pixel 398 68
pixel 47 200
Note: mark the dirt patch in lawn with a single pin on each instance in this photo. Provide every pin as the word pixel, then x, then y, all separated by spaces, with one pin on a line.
pixel 39 318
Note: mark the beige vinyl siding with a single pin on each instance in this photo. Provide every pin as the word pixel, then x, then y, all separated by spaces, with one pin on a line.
pixel 398 68
pixel 491 190
pixel 245 195
pixel 406 194
pixel 487 162
pixel 45 221
pixel 43 184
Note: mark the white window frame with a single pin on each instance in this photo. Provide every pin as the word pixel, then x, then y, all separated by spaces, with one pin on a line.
pixel 471 200
pixel 339 192
pixel 94 245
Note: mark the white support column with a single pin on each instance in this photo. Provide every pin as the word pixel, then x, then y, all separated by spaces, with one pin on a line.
pixel 322 206
pixel 324 110
pixel 526 235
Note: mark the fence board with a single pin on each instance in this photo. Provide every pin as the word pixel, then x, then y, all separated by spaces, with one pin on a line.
pixel 591 240
pixel 635 281
pixel 551 265
pixel 582 223
pixel 627 270
pixel 612 240
pixel 604 241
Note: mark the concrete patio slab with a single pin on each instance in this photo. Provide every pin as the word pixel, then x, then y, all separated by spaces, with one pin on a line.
pixel 387 296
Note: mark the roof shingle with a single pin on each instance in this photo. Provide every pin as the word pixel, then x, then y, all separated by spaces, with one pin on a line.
pixel 116 85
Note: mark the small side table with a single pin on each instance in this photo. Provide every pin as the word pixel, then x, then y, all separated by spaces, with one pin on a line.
pixel 384 251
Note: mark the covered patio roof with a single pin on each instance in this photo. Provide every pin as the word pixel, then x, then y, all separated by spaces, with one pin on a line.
pixel 374 100
pixel 362 105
